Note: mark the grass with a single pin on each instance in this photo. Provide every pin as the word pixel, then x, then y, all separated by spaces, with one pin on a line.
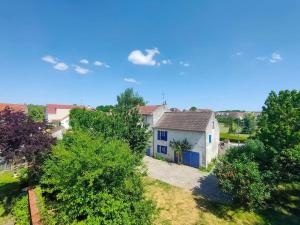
pixel 223 128
pixel 178 206
pixel 210 166
pixel 10 189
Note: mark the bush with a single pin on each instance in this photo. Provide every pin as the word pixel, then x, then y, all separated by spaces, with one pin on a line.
pixel 95 181
pixel 239 175
pixel 20 211
pixel 234 137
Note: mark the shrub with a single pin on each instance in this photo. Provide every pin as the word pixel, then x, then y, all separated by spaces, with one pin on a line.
pixel 95 181
pixel 20 211
pixel 234 137
pixel 239 175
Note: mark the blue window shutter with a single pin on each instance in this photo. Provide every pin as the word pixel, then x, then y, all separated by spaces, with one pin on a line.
pixel 209 138
pixel 166 135
pixel 158 135
pixel 158 148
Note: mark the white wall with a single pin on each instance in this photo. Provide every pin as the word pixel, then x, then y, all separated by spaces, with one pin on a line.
pixel 196 139
pixel 152 120
pixel 212 148
pixel 60 113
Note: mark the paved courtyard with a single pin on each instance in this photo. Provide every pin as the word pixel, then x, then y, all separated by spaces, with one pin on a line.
pixel 185 177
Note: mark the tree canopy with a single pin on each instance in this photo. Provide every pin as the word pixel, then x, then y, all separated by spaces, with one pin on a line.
pixel 130 99
pixel 92 180
pixel 36 112
pixel 279 130
pixel 22 138
pixel 193 109
pixel 122 123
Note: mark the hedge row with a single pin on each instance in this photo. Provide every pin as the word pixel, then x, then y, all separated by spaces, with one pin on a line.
pixel 234 137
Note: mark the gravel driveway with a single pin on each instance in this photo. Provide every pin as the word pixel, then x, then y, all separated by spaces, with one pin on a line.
pixel 185 177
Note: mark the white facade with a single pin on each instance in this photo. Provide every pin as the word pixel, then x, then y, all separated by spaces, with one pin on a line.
pixel 151 120
pixel 200 141
pixel 58 115
pixel 196 139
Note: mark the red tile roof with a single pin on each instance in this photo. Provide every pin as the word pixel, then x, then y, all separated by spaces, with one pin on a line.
pixel 14 107
pixel 51 108
pixel 148 109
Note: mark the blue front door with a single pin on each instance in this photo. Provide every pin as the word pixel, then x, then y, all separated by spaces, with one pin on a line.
pixel 148 152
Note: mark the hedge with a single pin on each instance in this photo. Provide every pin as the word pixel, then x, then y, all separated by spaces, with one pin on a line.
pixel 234 137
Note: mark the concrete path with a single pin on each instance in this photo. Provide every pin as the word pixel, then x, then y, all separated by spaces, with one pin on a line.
pixel 185 177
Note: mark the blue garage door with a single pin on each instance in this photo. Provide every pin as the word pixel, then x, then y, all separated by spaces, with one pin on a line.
pixel 191 159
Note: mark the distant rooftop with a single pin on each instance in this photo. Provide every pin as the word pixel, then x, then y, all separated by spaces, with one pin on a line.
pixel 14 107
pixel 51 108
pixel 148 109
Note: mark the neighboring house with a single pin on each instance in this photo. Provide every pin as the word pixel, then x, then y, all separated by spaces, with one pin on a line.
pixel 58 132
pixel 151 114
pixel 59 114
pixel 201 130
pixel 14 107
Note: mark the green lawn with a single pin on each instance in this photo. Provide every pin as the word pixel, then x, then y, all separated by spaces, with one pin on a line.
pixel 11 201
pixel 178 206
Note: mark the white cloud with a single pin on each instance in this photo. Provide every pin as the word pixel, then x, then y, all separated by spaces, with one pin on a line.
pixel 61 66
pixel 275 57
pixel 185 64
pixel 49 59
pixel 98 63
pixel 139 58
pixel 166 61
pixel 130 80
pixel 81 70
pixel 84 61
pixel 239 53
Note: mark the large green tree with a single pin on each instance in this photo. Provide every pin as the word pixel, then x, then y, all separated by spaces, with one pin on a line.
pixel 105 108
pixel 279 130
pixel 249 124
pixel 36 112
pixel 130 99
pixel 122 123
pixel 92 180
pixel 279 124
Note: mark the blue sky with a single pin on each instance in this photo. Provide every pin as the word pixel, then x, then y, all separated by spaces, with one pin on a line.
pixel 209 54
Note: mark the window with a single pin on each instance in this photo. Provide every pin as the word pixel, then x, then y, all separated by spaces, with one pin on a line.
pixel 213 125
pixel 162 135
pixel 162 149
pixel 209 138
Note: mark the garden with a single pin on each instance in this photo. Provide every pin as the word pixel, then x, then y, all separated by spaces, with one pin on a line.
pixel 94 175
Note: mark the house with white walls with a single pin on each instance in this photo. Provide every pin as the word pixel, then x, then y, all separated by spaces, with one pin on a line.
pixel 59 114
pixel 151 114
pixel 200 129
